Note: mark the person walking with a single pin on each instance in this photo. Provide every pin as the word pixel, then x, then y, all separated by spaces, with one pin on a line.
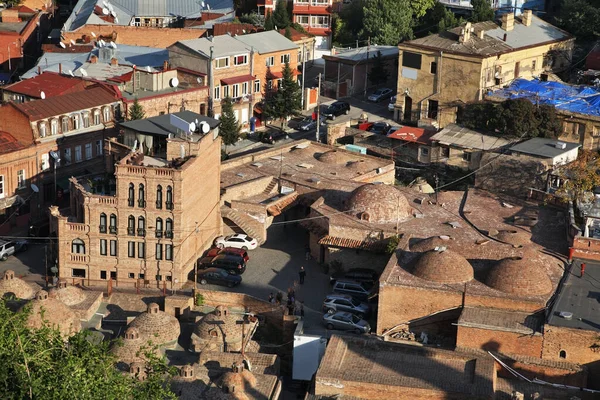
pixel 271 298
pixel 307 252
pixel 302 274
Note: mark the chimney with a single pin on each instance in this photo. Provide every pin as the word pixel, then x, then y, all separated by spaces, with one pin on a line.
pixel 39 70
pixel 505 36
pixel 480 33
pixel 526 17
pixel 60 68
pixel 165 65
pixel 93 59
pixel 465 33
pixel 114 62
pixel 508 22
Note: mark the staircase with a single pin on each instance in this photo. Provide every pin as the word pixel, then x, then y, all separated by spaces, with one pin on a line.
pixel 245 222
pixel 271 186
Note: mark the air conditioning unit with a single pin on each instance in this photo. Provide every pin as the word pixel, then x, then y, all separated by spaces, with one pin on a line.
pixel 560 145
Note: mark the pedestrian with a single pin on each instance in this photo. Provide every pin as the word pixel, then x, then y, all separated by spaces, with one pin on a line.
pixel 279 298
pixel 302 274
pixel 271 298
pixel 307 252
pixel 302 309
pixel 582 269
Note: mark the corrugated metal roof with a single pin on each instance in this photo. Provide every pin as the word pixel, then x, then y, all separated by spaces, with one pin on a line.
pixel 454 135
pixel 542 147
pixel 267 42
pixel 224 45
pixel 161 125
pixel 50 83
pixel 346 243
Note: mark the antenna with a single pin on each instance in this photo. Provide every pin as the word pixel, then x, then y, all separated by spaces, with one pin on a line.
pixel 61 44
pixel 84 72
pixel 42 95
pixel 208 7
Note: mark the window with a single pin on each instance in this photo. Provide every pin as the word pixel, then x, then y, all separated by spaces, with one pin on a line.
pixel 159 199
pixel 78 273
pixel 225 91
pixel 98 148
pixel 222 62
pixel 103 247
pixel 411 60
pixel 102 223
pixel 169 202
pixel 270 84
pixel 169 252
pixel 78 246
pixel 42 128
pixel 21 180
pixel 467 156
pixel 240 60
pixel 86 119
pixel 65 125
pixel 159 227
pixel 45 162
pixel 236 91
pixel 158 277
pixel 78 154
pixel 562 354
pixel 424 151
pixel 131 275
pixel 54 127
pixel 96 117
pixel 88 151
pixel 75 119
pixel 285 58
pixel 302 19
pixel 141 226
pixel 433 68
pixel 533 64
pixel 131 225
pixel 131 199
pixel 141 200
pixel 67 156
pixel 113 224
pixel 217 94
pixel 159 248
pixel 131 249
pixel 319 21
pixel 445 151
pixel 517 69
pixel 270 61
pixel 432 109
pixel 244 88
pixel 103 275
pixel 141 276
pixel 141 250
pixel 169 228
pixel 257 86
pixel 106 112
pixel 113 248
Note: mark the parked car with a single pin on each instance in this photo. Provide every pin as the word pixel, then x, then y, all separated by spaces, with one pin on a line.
pixel 273 136
pixel 392 104
pixel 355 289
pixel 235 265
pixel 238 240
pixel 364 275
pixel 308 124
pixel 381 94
pixel 218 276
pixel 336 109
pixel 344 302
pixel 380 128
pixel 7 248
pixel 232 251
pixel 21 245
pixel 345 321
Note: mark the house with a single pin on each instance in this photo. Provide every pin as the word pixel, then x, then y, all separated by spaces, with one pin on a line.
pixel 19 31
pixel 315 17
pixel 440 71
pixel 346 73
pixel 556 152
pixel 149 222
pixel 45 85
pixel 463 148
pixel 412 144
pixel 306 44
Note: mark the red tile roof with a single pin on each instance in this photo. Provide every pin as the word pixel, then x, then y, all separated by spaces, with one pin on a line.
pixel 237 79
pixel 51 83
pixel 8 143
pixel 411 134
pixel 58 105
pixel 296 35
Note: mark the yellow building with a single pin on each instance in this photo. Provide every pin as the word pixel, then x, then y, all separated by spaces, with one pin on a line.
pixel 438 72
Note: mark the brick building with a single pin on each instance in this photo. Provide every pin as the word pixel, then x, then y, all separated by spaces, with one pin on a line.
pixel 315 17
pixel 20 29
pixel 149 223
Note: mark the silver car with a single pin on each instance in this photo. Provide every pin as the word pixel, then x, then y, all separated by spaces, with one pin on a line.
pixel 381 94
pixel 345 321
pixel 343 302
pixel 308 124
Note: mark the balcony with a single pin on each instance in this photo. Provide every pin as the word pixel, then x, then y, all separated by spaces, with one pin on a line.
pixel 131 231
pixel 102 228
pixel 141 232
pixel 318 30
pixel 78 258
pixel 169 234
pixel 169 205
pixel 142 203
pixel 313 8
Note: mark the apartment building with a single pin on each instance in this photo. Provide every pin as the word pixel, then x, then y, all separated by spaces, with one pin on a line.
pixel 315 17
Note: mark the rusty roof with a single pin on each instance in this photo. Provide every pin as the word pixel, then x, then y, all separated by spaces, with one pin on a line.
pixel 51 83
pixel 375 246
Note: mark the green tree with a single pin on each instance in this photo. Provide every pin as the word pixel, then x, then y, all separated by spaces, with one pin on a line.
pixel 482 11
pixel 136 111
pixel 420 7
pixel 269 25
pixel 251 18
pixel 580 17
pixel 378 73
pixel 229 129
pixel 549 125
pixel 581 176
pixel 13 3
pixel 290 92
pixel 518 118
pixel 387 22
pixel 288 33
pixel 480 116
pixel 281 18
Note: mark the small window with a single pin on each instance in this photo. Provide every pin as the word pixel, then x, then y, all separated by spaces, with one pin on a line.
pixel 240 60
pixel 131 199
pixel 131 225
pixel 433 68
pixel 103 223
pixel 141 197
pixel 217 93
pixel 131 275
pixel 169 252
pixel 103 249
pixel 159 251
pixel 88 151
pixel 270 61
pixel 78 273
pixel 226 91
pixel 257 86
pixel 103 275
pixel 424 151
pixel 169 228
pixel 65 125
pixel 42 128
pixel 411 60
pixel 113 224
pixel 141 226
pixel 235 91
pixel 285 58
pixel 21 179
pixel 159 197
pixel 67 156
pixel 106 112
pixel 445 151
pixel 86 119
pixel 75 120
pixel 159 227
pixel 98 148
pixel 113 248
pixel 131 249
pixel 78 156
pixel 96 117
pixel 467 156
pixel 222 62
pixel 78 246
pixel 533 64
pixel 562 354
pixel 141 250
pixel 54 127
pixel 169 202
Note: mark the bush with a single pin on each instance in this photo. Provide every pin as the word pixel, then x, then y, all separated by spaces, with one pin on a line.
pixel 199 300
pixel 392 244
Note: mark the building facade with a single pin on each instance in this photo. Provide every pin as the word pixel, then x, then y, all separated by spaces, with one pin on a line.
pixel 315 17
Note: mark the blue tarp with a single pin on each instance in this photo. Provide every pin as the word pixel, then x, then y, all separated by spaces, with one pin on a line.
pixel 578 99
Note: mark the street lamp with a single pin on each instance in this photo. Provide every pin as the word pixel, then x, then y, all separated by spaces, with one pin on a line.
pixel 56 158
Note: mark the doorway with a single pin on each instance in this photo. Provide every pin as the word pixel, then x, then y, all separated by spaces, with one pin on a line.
pixel 407 108
pixel 177 312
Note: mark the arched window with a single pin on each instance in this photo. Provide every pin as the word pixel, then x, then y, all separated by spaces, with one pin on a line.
pixel 102 223
pixel 562 354
pixel 113 224
pixel 78 246
pixel 159 227
pixel 159 197
pixel 106 112
pixel 169 228
pixel 131 199
pixel 141 197
pixel 169 202
pixel 141 226
pixel 131 225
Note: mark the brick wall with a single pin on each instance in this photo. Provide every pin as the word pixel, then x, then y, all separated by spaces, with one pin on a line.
pixel 16 123
pixel 195 100
pixel 503 342
pixel 586 248
pixel 351 258
pixel 568 375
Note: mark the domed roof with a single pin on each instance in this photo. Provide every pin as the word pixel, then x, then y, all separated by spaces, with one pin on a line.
pixel 358 165
pixel 519 276
pixel 238 381
pixel 443 267
pixel 332 157
pixel 157 325
pixel 70 295
pixel 54 313
pixel 128 351
pixel 516 238
pixel 378 203
pixel 430 244
pixel 221 326
pixel 12 284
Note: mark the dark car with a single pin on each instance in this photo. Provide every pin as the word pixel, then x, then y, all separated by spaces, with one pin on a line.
pixel 218 276
pixel 273 136
pixel 336 109
pixel 380 128
pixel 235 265
pixel 232 251
pixel 364 275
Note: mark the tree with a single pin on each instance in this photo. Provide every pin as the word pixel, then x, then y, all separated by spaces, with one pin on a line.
pixel 13 3
pixel 581 177
pixel 229 129
pixel 281 18
pixel 288 33
pixel 518 118
pixel 482 11
pixel 285 100
pixel 136 111
pixel 378 73
pixel 420 7
pixel 41 364
pixel 269 25
pixel 580 17
pixel 387 22
pixel 251 18
pixel 549 126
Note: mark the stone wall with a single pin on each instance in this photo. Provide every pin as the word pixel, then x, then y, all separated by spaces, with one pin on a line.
pixel 246 189
pixel 498 341
pixel 351 258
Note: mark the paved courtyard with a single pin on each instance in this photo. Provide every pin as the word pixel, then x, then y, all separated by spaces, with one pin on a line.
pixel 29 265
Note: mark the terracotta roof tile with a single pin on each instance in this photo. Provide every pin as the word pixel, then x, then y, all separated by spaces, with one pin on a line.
pixel 279 206
pixel 353 243
pixel 411 134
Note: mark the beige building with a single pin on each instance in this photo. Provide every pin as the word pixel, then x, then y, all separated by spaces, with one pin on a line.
pixel 438 72
pixel 149 223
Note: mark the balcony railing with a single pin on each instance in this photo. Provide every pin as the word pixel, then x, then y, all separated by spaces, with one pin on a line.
pixel 102 228
pixel 141 203
pixel 169 234
pixel 131 231
pixel 159 234
pixel 141 232
pixel 169 205
pixel 112 230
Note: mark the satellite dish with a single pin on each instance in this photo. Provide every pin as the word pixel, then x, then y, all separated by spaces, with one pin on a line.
pixel 34 187
pixel 174 82
pixel 42 95
pixel 105 11
pixel 196 121
pixel 116 20
pixel 208 7
pixel 84 72
pixel 202 4
pixel 61 44
pixel 72 41
pixel 204 127
pixel 199 80
pixel 148 68
pixel 192 127
pixel 113 45
pixel 71 73
pixel 112 14
pixel 93 34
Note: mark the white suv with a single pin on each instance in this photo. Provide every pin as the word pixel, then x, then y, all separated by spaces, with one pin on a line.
pixel 6 249
pixel 391 105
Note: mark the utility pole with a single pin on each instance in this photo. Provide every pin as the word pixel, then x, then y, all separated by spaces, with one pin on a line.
pixel 367 65
pixel 318 109
pixel 437 181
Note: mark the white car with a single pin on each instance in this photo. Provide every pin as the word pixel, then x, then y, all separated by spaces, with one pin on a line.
pixel 392 104
pixel 238 240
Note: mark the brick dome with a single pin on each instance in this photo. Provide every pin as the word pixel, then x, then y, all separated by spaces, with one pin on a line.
pixel 332 157
pixel 516 238
pixel 443 267
pixel 127 351
pixel 46 311
pixel 17 286
pixel 237 382
pixel 378 203
pixel 430 244
pixel 222 330
pixel 157 325
pixel 358 166
pixel 519 276
pixel 70 295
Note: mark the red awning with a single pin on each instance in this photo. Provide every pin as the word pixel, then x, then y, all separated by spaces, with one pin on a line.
pixel 237 79
pixel 279 74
